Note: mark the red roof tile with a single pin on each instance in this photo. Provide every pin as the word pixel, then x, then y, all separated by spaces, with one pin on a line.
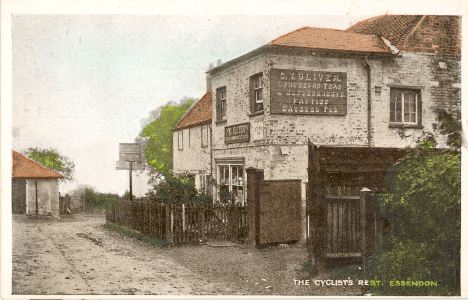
pixel 199 113
pixel 24 167
pixel 417 33
pixel 331 39
pixel 395 28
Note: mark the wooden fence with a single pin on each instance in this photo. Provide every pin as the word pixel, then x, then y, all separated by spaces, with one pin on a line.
pixel 179 223
pixel 64 205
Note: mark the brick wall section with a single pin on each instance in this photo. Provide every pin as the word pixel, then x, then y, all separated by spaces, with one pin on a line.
pixel 446 94
pixel 436 34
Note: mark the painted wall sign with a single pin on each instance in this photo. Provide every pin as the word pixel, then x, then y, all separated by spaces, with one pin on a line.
pixel 239 133
pixel 308 92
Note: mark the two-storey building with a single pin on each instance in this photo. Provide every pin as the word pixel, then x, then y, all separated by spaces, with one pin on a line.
pixel 192 143
pixel 379 84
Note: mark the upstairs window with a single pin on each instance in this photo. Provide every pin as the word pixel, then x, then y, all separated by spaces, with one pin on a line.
pixel 221 103
pixel 180 140
pixel 256 93
pixel 204 135
pixel 405 106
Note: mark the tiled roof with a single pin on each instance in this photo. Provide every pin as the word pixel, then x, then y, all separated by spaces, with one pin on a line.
pixel 417 33
pixel 199 113
pixel 395 28
pixel 331 39
pixel 23 167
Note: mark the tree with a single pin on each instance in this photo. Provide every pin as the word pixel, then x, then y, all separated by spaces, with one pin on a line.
pixel 179 190
pixel 423 208
pixel 158 135
pixel 53 160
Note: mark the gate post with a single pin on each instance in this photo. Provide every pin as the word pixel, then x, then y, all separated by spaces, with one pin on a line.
pixel 254 179
pixel 365 195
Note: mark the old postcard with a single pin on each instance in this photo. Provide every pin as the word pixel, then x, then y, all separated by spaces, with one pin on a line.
pixel 184 149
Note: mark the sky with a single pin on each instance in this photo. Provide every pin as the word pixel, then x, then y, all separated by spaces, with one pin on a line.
pixel 83 83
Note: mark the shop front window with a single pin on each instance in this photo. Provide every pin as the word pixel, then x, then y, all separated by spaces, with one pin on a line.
pixel 231 183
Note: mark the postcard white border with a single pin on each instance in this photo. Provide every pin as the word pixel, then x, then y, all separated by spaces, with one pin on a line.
pixel 202 7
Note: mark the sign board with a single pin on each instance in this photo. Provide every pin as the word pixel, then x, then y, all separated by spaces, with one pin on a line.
pixel 239 133
pixel 130 152
pixel 308 92
pixel 125 165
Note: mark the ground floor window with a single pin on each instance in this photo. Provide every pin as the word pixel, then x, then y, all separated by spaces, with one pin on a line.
pixel 231 183
pixel 205 184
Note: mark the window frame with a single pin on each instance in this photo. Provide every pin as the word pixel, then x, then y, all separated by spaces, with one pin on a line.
pixel 253 94
pixel 221 110
pixel 180 140
pixel 230 167
pixel 202 144
pixel 401 99
pixel 189 136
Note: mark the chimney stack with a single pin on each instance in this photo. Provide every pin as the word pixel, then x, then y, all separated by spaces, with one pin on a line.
pixel 208 78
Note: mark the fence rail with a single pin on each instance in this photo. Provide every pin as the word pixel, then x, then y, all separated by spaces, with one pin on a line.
pixel 181 223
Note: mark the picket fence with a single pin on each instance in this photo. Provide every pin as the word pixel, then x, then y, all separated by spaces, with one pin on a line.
pixel 182 223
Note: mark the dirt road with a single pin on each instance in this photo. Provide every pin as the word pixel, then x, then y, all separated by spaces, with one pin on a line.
pixel 76 255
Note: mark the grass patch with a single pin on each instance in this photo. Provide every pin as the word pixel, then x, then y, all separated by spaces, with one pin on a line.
pixel 125 231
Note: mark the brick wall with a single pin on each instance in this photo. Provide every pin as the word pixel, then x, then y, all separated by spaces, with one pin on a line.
pixel 436 34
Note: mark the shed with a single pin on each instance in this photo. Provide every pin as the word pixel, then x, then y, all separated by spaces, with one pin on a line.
pixel 35 188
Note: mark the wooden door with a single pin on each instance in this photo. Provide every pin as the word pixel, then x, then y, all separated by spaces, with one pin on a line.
pixel 279 211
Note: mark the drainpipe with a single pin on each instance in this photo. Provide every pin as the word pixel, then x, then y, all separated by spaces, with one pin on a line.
pixel 369 103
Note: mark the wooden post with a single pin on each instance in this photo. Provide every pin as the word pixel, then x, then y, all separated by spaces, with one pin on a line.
pixel 37 200
pixel 364 197
pixel 130 179
pixel 183 217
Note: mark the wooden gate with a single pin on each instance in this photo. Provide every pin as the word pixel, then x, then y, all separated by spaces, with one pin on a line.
pixel 344 221
pixel 343 226
pixel 277 209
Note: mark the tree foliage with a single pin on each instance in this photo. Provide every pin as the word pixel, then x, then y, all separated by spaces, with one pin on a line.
pixel 423 208
pixel 450 125
pixel 159 136
pixel 179 190
pixel 53 160
pixel 96 199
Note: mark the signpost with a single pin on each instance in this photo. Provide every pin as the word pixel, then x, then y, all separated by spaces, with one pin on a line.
pixel 131 156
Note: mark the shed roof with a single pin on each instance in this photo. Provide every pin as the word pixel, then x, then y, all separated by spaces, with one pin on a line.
pixel 331 39
pixel 24 167
pixel 199 113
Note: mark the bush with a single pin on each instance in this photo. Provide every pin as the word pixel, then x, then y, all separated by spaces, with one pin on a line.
pixel 99 200
pixel 423 209
pixel 178 190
